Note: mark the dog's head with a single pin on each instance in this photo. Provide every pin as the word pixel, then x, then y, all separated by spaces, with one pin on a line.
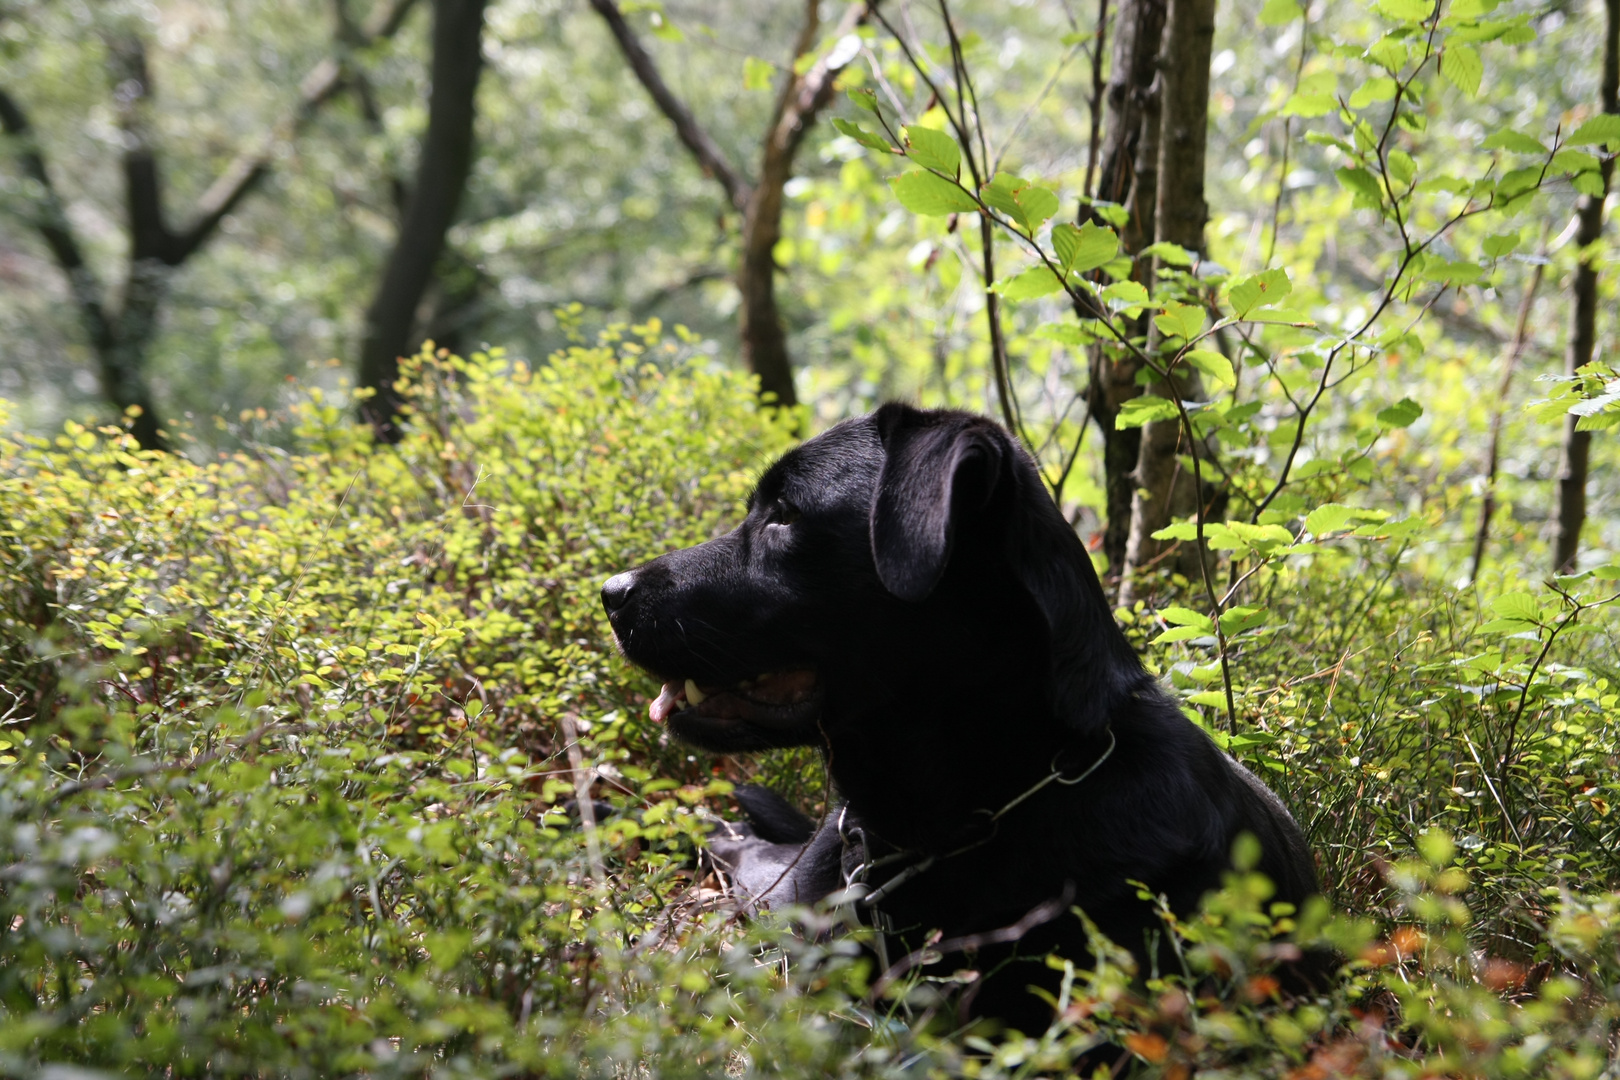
pixel 908 552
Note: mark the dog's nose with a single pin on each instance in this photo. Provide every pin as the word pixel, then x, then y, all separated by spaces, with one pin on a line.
pixel 616 593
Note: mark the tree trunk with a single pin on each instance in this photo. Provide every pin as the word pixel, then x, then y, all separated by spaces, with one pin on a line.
pixel 1128 175
pixel 1572 464
pixel 121 337
pixel 764 340
pixel 441 178
pixel 801 99
pixel 1163 490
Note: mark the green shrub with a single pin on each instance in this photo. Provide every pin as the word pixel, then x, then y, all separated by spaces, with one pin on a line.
pixel 283 737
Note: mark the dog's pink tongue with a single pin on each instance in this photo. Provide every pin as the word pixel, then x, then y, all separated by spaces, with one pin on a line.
pixel 664 704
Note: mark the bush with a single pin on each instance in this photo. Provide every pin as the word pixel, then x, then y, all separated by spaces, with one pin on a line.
pixel 284 737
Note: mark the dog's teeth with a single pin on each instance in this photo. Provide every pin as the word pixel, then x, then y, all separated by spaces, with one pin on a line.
pixel 694 696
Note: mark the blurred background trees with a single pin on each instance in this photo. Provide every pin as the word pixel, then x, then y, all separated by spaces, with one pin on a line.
pixel 198 201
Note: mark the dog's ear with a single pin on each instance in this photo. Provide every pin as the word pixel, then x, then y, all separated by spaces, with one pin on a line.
pixel 937 468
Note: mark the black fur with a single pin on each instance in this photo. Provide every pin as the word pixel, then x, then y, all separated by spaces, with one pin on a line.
pixel 962 645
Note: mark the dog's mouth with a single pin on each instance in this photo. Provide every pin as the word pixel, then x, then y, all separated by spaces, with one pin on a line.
pixel 781 699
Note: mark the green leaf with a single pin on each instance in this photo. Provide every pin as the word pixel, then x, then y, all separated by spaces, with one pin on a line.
pixel 1603 128
pixel 1035 282
pixel 1508 626
pixel 1401 166
pixel 1378 88
pixel 1516 141
pixel 1144 409
pixel 999 194
pixel 1039 203
pixel 932 149
pixel 1280 12
pixel 1026 203
pixel 924 193
pixel 1329 518
pixel 1265 288
pixel 1119 269
pixel 1517 182
pixel 1181 633
pixel 1573 161
pixel 663 28
pixel 1588 183
pixel 1238 619
pixel 757 74
pixel 1178 530
pixel 1262 538
pixel 1363 185
pixel 1169 254
pixel 1403 413
pixel 1314 96
pixel 1389 53
pixel 1463 67
pixel 1286 316
pixel 1309 105
pixel 1083 249
pixel 1211 365
pixel 868 139
pixel 1065 333
pixel 1180 320
pixel 1126 294
pixel 1518 605
pixel 1181 616
pixel 1457 271
pixel 1503 244
pixel 865 99
pixel 1414 11
pixel 1322 138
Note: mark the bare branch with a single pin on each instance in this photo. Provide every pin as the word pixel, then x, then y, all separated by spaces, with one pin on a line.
pixel 809 93
pixel 249 167
pixel 244 173
pixel 708 153
pixel 386 20
pixel 52 222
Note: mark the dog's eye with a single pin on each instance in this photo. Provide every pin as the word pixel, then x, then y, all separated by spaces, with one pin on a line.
pixel 783 513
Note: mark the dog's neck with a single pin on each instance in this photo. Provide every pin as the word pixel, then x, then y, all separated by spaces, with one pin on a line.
pixel 896 739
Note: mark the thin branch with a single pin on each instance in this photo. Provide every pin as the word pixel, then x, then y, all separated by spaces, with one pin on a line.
pixel 1493 451
pixel 708 153
pixel 1029 110
pixel 251 166
pixel 1041 913
pixel 806 95
pixel 386 20
pixel 52 222
pixel 1098 87
pixel 992 300
pixel 1288 131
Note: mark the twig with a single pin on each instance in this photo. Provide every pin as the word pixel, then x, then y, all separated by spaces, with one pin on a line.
pixel 1493 448
pixel 148 768
pixel 1040 914
pixel 1098 87
pixel 582 798
pixel 706 150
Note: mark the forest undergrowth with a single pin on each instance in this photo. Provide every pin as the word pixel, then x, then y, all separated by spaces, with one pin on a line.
pixel 285 738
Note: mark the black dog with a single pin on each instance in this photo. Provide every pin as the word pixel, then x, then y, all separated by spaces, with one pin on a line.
pixel 904 594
